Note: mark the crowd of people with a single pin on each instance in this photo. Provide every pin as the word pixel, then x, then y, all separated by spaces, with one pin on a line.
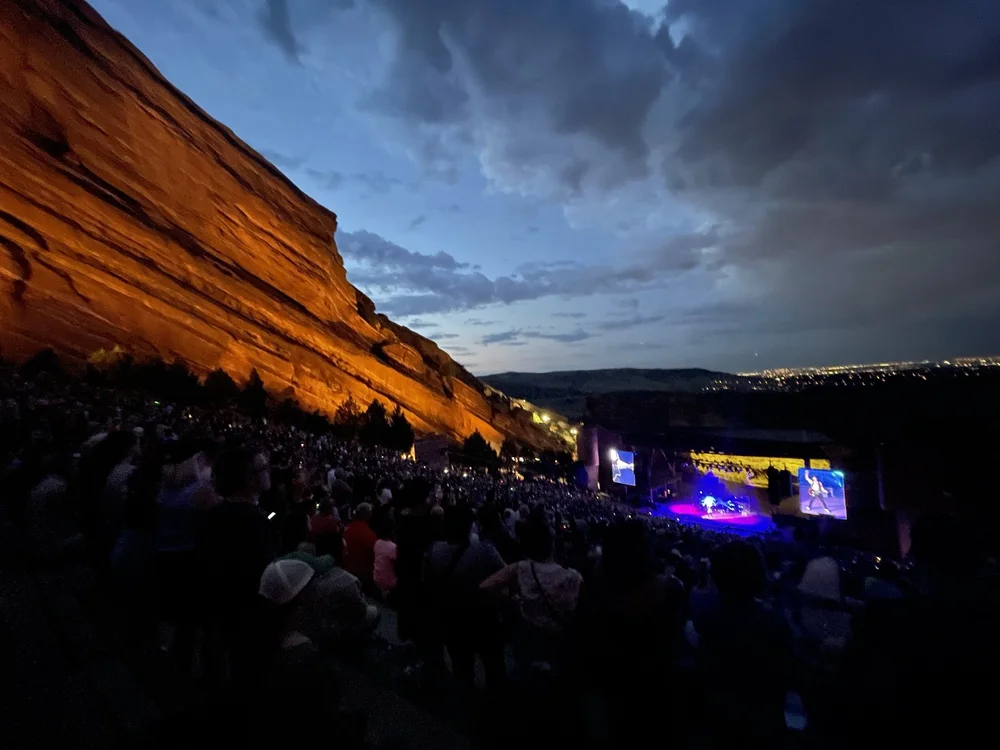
pixel 261 556
pixel 730 471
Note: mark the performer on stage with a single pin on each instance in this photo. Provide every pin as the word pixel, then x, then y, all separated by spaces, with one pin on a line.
pixel 816 492
pixel 619 465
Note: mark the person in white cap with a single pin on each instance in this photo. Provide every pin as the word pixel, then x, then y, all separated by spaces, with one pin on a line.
pixel 283 580
pixel 299 679
pixel 284 584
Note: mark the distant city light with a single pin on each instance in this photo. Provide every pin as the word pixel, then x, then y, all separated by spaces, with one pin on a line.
pixel 546 418
pixel 851 376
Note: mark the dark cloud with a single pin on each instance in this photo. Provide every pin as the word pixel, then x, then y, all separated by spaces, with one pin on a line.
pixel 444 336
pixel 864 91
pixel 412 283
pixel 377 251
pixel 424 324
pixel 573 315
pixel 633 321
pixel 418 221
pixel 813 128
pixel 275 21
pixel 519 337
pixel 592 68
pixel 845 155
pixel 377 183
pixel 276 25
pixel 501 337
pixel 330 179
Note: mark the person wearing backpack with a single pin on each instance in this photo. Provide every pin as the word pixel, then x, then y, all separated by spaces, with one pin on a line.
pixel 548 595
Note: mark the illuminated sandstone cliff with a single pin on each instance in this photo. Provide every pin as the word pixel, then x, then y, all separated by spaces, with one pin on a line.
pixel 129 216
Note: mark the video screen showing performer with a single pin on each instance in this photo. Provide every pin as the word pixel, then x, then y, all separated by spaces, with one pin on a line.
pixel 622 467
pixel 821 493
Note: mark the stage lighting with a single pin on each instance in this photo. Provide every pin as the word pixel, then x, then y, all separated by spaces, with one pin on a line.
pixel 613 454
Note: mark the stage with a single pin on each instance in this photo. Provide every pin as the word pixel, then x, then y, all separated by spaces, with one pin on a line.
pixel 693 512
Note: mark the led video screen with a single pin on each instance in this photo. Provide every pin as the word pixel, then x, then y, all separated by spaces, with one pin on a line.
pixel 623 467
pixel 821 493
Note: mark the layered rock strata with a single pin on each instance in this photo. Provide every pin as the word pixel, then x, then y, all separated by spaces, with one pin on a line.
pixel 130 217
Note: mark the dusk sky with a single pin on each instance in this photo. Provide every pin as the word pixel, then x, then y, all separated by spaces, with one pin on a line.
pixel 569 184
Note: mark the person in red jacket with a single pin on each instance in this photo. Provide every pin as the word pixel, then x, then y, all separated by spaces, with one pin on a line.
pixel 359 545
pixel 325 521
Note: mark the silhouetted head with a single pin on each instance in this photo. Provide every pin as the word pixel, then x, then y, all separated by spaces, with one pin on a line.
pixel 457 525
pixel 241 473
pixel 383 526
pixel 738 571
pixel 330 544
pixel 628 555
pixel 489 519
pixel 536 537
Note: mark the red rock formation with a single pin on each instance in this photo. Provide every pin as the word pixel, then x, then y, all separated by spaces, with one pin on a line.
pixel 129 216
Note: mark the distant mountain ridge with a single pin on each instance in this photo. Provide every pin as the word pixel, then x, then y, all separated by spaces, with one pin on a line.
pixel 566 391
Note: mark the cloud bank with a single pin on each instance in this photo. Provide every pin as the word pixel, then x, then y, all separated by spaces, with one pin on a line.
pixel 839 161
